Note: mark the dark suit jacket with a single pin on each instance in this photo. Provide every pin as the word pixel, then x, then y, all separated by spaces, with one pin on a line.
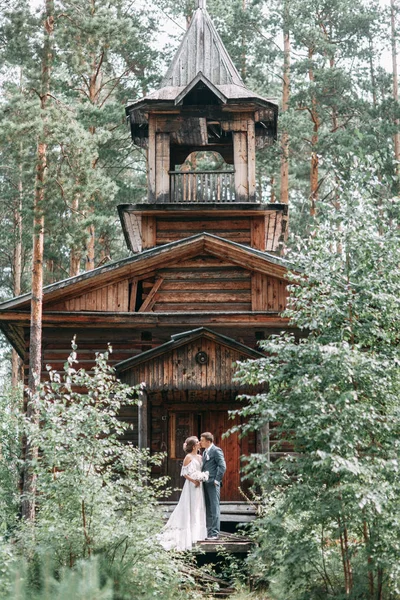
pixel 215 464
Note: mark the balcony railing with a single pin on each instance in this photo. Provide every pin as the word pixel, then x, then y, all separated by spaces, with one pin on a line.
pixel 202 186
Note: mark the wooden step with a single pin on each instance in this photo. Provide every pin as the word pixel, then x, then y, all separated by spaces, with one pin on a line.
pixel 233 512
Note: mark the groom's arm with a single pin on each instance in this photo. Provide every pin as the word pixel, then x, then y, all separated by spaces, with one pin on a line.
pixel 221 465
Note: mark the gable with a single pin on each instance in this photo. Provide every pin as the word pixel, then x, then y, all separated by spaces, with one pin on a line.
pixel 217 273
pixel 200 283
pixel 192 361
pixel 200 91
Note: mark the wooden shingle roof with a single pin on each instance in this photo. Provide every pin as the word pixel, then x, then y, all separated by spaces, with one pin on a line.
pixel 202 50
pixel 201 54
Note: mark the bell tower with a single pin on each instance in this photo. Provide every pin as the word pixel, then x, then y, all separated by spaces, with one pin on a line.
pixel 202 109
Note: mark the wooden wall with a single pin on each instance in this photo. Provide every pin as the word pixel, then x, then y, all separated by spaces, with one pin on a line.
pixel 125 342
pixel 264 231
pixel 171 229
pixel 202 283
pixel 179 370
pixel 110 298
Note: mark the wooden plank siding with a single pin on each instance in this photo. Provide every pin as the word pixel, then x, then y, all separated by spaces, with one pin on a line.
pixel 179 370
pixel 84 285
pixel 113 298
pixel 175 228
pixel 201 283
pixel 56 346
pixel 125 342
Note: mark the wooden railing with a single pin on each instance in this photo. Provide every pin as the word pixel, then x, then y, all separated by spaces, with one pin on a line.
pixel 202 186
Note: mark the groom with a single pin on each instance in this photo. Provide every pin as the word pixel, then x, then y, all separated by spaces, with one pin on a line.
pixel 214 463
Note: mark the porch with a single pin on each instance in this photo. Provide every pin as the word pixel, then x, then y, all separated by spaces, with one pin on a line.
pixel 231 512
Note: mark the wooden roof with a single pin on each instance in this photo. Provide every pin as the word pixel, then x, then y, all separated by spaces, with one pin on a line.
pixel 182 339
pixel 201 51
pixel 203 57
pixel 144 262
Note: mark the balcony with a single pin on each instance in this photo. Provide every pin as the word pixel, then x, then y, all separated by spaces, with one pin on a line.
pixel 202 186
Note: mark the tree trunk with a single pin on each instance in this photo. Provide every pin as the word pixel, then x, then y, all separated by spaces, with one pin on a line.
pixel 336 199
pixel 314 167
pixel 49 270
pixel 395 84
pixel 369 560
pixel 35 357
pixel 75 254
pixel 285 105
pixel 94 91
pixel 90 248
pixel 273 195
pixel 17 267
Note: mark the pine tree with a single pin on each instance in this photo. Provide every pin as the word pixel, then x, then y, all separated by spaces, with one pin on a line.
pixel 35 354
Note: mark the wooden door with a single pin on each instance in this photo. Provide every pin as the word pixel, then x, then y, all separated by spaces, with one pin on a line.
pixel 218 422
pixel 184 423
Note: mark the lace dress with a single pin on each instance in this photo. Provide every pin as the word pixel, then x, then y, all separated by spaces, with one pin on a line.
pixel 187 524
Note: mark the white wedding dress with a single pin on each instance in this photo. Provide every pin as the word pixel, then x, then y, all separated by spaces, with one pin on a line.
pixel 187 524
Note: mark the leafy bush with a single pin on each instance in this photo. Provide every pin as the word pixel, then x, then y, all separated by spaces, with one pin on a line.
pixel 96 507
pixel 329 525
pixel 10 458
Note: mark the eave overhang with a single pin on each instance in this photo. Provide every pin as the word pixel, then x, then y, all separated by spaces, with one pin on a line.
pixel 182 339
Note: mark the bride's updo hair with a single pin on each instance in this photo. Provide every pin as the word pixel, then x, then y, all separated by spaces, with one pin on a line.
pixel 190 443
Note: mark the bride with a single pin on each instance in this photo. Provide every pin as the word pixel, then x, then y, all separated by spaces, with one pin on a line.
pixel 187 524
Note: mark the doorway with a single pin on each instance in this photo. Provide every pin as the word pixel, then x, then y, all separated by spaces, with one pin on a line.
pixel 184 422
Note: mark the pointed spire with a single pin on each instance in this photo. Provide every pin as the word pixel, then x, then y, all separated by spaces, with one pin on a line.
pixel 201 51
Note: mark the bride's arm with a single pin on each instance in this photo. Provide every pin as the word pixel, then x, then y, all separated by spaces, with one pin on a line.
pixel 186 463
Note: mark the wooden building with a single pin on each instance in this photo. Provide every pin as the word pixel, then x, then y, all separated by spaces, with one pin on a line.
pixel 203 283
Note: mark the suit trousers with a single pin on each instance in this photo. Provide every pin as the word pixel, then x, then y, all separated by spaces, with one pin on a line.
pixel 212 495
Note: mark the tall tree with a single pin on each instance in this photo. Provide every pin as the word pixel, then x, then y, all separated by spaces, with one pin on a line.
pixel 396 136
pixel 15 23
pixel 35 355
pixel 285 105
pixel 107 58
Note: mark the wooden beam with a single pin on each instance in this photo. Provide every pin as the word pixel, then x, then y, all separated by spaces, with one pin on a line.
pixel 151 159
pixel 258 291
pixel 251 153
pixel 235 255
pixel 162 167
pixel 89 319
pixel 258 233
pixel 148 232
pixel 133 294
pixel 241 166
pixel 143 416
pixel 151 298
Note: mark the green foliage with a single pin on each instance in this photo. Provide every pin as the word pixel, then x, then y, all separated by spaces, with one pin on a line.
pixel 330 505
pixel 10 457
pixel 81 583
pixel 97 518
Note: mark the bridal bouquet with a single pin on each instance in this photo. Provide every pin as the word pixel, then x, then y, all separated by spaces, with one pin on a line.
pixel 200 476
